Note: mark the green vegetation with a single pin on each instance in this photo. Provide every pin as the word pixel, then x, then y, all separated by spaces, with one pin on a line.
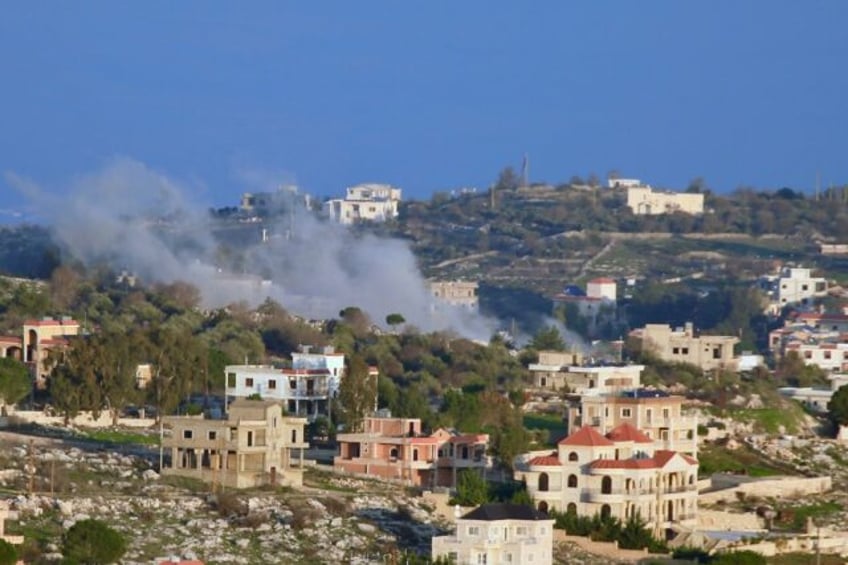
pixel 838 406
pixel 794 518
pixel 120 437
pixel 92 542
pixel 631 534
pixel 8 553
pixel 717 459
pixel 15 381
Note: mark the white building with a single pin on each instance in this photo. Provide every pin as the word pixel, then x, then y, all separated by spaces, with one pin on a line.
pixel 621 475
pixel 456 293
pixel 814 397
pixel 832 357
pixel 796 286
pixel 499 533
pixel 305 389
pixel 603 288
pixel 365 202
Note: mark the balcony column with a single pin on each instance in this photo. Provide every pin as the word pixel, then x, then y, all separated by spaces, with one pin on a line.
pixel 198 458
pixel 174 460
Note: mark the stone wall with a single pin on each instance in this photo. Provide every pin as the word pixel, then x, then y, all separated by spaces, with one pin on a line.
pixel 83 419
pixel 721 520
pixel 729 485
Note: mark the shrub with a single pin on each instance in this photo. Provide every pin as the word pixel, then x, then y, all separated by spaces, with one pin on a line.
pixel 92 542
pixel 8 553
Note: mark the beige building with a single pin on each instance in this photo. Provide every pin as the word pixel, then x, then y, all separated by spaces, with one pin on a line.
pixel 396 448
pixel 643 200
pixel 681 345
pixel 498 533
pixel 620 474
pixel 456 293
pixel 657 414
pixel 255 445
pixel 38 339
pixel 548 373
pixel 6 514
pixel 551 370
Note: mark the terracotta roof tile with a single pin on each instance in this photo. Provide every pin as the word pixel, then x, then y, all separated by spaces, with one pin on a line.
pixel 628 432
pixel 586 436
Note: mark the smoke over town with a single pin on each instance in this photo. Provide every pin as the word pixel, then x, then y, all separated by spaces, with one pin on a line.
pixel 134 218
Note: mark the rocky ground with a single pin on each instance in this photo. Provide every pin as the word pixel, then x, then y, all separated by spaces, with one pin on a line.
pixel 332 519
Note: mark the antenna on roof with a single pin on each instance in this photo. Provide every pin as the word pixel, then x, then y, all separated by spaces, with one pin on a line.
pixel 525 170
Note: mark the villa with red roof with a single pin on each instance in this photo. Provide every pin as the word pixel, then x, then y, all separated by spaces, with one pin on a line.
pixel 620 474
pixel 396 448
pixel 35 342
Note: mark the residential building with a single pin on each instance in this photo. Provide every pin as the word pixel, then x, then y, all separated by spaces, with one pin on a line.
pixel 620 474
pixel 682 345
pixel 643 200
pixel 581 379
pixel 365 202
pixel 797 286
pixel 551 370
pixel 456 293
pixel 816 398
pixel 833 248
pixel 256 445
pixel 396 448
pixel 498 533
pixel 829 356
pixel 38 338
pixel 597 305
pixel 659 415
pixel 623 183
pixel 306 388
pixel 264 204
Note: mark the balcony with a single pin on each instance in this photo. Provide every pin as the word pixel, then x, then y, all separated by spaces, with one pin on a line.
pixel 620 495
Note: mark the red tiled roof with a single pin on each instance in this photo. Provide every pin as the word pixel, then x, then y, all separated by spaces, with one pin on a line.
pixel 545 460
pixel 628 432
pixel 586 436
pixel 10 339
pixel 473 438
pixel 51 322
pixel 658 461
pixel 602 280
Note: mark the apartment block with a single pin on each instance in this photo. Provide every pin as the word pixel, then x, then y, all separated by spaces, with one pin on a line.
pixel 256 445
pixel 682 345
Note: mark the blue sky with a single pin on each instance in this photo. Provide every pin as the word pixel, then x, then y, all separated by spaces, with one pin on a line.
pixel 427 96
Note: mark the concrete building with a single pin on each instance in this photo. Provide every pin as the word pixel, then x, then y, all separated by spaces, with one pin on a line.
pixel 797 286
pixel 456 293
pixel 657 414
pixel 365 202
pixel 551 370
pixel 255 445
pixel 643 200
pixel 498 533
pixel 306 388
pixel 623 183
pixel 7 514
pixel 597 306
pixel 681 345
pixel 813 397
pixel 583 379
pixel 620 474
pixel 396 448
pixel 831 357
pixel 38 338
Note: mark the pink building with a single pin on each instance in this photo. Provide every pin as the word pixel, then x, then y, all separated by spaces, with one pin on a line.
pixel 395 448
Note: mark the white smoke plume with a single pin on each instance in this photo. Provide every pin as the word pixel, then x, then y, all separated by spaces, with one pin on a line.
pixel 132 217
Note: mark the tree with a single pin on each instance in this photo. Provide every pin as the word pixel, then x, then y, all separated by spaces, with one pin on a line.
pixel 471 489
pixel 507 180
pixel 15 381
pixel 395 320
pixel 92 542
pixel 8 553
pixel 838 406
pixel 547 339
pixel 357 394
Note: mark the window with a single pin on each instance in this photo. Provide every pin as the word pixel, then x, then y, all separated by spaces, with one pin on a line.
pixel 827 354
pixel 231 380
pixel 805 287
pixel 294 436
pixel 272 384
pixel 676 350
pixel 685 351
pixel 473 530
pixel 292 384
pixel 248 382
pixel 188 434
pixel 521 530
pixel 572 456
pixel 626 413
pixel 481 559
pixel 572 481
pixel 213 435
pixel 808 355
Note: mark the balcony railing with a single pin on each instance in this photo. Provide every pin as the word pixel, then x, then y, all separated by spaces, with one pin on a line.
pixel 596 494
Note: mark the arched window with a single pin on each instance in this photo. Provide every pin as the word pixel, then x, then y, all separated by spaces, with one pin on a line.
pixel 606 512
pixel 606 485
pixel 572 481
pixel 393 453
pixel 572 508
pixel 543 507
pixel 543 482
pixel 572 456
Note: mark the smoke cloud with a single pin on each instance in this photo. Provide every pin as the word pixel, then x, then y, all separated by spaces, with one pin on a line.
pixel 132 217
